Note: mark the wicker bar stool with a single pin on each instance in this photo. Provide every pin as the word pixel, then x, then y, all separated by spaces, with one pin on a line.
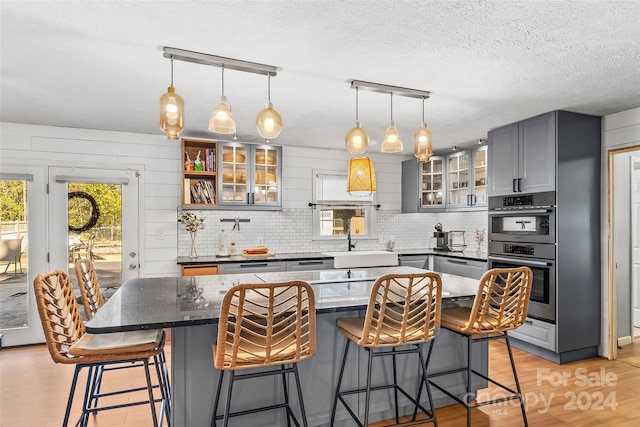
pixel 500 305
pixel 271 324
pixel 403 311
pixel 92 300
pixel 69 344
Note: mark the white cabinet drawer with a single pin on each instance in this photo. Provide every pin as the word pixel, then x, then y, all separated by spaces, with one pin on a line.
pixel 537 333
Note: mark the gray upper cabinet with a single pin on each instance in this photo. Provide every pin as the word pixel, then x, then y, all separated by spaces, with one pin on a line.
pixel 522 156
pixel 423 185
pixel 249 176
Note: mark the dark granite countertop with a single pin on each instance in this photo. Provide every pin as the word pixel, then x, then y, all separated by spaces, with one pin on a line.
pixel 212 259
pixel 167 302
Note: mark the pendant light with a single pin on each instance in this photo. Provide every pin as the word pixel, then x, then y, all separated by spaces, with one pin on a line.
pixel 171 111
pixel 221 121
pixel 269 122
pixel 422 140
pixel 357 139
pixel 391 142
pixel 361 178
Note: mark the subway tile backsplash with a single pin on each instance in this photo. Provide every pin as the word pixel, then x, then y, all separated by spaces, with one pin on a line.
pixel 290 231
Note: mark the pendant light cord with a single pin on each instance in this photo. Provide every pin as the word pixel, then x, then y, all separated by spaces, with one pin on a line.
pixel 222 80
pixel 269 88
pixel 357 119
pixel 171 70
pixel 391 93
pixel 423 109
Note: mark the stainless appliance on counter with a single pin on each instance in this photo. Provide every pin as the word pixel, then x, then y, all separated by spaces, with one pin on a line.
pixel 522 232
pixel 442 238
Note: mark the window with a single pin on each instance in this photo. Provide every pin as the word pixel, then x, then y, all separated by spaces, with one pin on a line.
pixel 336 209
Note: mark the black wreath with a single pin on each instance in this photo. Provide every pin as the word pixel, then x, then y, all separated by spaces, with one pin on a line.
pixel 95 211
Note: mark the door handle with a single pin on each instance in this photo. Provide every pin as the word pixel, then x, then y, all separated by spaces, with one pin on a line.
pixel 133 266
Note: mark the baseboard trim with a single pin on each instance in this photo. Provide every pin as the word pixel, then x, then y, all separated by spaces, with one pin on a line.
pixel 622 341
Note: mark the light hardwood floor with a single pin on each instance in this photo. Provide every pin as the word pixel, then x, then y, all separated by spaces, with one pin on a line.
pixel 33 392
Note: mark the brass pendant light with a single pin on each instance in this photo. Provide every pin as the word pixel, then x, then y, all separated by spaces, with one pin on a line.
pixel 221 120
pixel 392 142
pixel 171 111
pixel 423 141
pixel 361 178
pixel 357 140
pixel 268 121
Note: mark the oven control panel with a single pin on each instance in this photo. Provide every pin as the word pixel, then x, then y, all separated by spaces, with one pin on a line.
pixel 524 200
pixel 518 249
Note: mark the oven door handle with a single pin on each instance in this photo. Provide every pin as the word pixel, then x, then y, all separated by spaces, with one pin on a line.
pixel 520 212
pixel 520 261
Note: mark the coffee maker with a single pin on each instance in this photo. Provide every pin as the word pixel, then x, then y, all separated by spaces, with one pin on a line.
pixel 442 238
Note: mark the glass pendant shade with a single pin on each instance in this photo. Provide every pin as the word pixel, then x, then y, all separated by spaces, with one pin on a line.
pixel 422 143
pixel 361 178
pixel 171 114
pixel 357 140
pixel 269 123
pixel 391 142
pixel 221 121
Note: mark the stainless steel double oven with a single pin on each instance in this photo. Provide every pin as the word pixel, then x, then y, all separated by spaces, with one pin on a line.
pixel 522 231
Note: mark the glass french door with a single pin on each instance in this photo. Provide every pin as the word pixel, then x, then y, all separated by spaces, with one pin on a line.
pixel 22 252
pixel 94 215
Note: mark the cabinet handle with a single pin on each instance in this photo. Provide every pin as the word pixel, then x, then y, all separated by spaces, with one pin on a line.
pixel 475 199
pixel 310 262
pixel 262 264
pixel 519 185
pixel 456 261
pixel 515 185
pixel 528 322
pixel 468 199
pixel 248 198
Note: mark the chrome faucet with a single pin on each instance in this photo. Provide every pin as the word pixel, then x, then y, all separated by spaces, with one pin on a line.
pixel 349 244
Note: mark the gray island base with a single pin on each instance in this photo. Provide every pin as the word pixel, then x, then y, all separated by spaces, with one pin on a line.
pixel 190 306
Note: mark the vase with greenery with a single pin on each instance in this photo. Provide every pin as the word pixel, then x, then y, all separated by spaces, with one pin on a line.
pixel 192 223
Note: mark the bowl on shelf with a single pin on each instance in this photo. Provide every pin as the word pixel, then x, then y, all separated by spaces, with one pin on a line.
pixel 229 157
pixel 227 177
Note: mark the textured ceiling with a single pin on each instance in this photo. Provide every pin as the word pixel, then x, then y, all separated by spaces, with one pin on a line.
pixel 98 65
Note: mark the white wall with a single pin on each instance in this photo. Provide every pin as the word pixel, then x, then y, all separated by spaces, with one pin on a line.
pixel 283 231
pixel 618 131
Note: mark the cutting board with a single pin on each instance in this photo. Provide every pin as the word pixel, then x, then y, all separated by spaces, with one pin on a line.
pixel 268 254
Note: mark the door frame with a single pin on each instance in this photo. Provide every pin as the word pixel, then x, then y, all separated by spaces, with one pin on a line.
pixel 135 173
pixel 37 253
pixel 612 318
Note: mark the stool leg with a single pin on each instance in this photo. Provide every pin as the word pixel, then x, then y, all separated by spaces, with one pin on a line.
pixel 217 397
pixel 304 414
pixel 84 418
pixel 515 377
pixel 468 395
pixel 286 396
pixel 367 396
pixel 154 416
pixel 395 384
pixel 227 406
pixel 335 396
pixel 72 391
pixel 425 378
pixel 164 408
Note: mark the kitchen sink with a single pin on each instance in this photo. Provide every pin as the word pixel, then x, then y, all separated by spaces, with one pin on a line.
pixel 355 259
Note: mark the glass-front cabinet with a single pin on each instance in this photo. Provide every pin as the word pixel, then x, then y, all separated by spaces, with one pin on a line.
pixel 250 176
pixel 467 179
pixel 431 178
pixel 455 182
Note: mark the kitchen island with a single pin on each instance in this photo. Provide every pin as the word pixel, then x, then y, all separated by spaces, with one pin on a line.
pixel 190 306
